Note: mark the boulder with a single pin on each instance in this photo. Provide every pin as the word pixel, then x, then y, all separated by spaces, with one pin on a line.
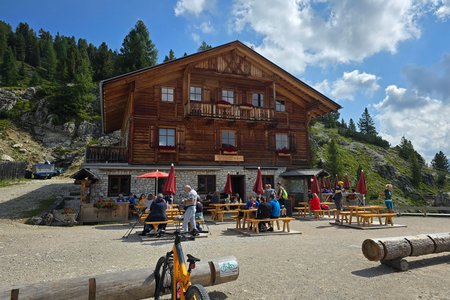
pixel 5 157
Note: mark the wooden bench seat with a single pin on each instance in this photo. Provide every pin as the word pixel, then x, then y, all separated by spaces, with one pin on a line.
pixel 156 223
pixel 254 223
pixel 317 213
pixel 302 210
pixel 218 215
pixel 388 218
pixel 344 215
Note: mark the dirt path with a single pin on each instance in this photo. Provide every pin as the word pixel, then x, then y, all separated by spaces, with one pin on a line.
pixel 18 200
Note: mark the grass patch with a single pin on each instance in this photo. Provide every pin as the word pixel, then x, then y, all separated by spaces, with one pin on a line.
pixel 44 205
pixel 10 182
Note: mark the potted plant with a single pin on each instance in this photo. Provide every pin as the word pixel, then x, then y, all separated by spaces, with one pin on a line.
pixel 167 149
pixel 283 152
pixel 229 150
pixel 246 106
pixel 223 103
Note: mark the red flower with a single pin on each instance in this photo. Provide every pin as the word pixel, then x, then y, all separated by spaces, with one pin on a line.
pixel 283 150
pixel 167 148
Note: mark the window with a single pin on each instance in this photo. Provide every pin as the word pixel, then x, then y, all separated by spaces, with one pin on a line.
pixel 118 184
pixel 228 96
pixel 206 184
pixel 268 179
pixel 281 141
pixel 258 100
pixel 280 105
pixel 195 93
pixel 228 139
pixel 166 137
pixel 167 94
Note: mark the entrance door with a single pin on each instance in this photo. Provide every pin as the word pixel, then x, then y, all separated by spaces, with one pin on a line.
pixel 238 185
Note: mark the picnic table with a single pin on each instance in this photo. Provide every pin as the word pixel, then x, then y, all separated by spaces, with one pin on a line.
pixel 219 210
pixel 246 214
pixel 360 212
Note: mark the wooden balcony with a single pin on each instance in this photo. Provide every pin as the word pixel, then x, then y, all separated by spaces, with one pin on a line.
pixel 97 154
pixel 232 112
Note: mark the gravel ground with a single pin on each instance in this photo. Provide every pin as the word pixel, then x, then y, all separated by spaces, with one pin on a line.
pixel 324 262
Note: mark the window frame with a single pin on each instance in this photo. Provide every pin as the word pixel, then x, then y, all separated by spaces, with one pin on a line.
pixel 259 99
pixel 208 181
pixel 120 188
pixel 228 132
pixel 227 97
pixel 167 136
pixel 277 105
pixel 167 93
pixel 196 91
pixel 280 138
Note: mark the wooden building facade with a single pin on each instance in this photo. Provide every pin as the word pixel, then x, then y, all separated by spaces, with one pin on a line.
pixel 227 109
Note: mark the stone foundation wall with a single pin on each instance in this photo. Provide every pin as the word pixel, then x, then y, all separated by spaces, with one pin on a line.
pixel 183 177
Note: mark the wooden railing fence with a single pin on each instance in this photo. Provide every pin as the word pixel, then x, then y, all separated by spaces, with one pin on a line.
pixel 12 169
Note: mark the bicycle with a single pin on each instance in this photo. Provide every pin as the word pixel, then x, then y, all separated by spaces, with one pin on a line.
pixel 171 274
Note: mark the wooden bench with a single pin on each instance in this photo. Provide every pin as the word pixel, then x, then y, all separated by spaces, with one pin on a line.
pixel 156 223
pixel 302 210
pixel 344 215
pixel 318 213
pixel 388 218
pixel 254 223
pixel 219 214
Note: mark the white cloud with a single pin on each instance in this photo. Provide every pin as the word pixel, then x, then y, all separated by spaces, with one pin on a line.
pixel 206 27
pixel 297 33
pixel 422 120
pixel 443 10
pixel 196 38
pixel 194 7
pixel 349 85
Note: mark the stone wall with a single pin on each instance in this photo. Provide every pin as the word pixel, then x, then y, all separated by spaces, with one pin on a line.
pixel 184 177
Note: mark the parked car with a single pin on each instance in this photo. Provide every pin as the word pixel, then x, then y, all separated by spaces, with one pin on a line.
pixel 44 170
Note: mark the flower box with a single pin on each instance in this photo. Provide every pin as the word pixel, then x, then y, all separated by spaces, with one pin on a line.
pixel 229 152
pixel 223 104
pixel 246 106
pixel 283 152
pixel 167 149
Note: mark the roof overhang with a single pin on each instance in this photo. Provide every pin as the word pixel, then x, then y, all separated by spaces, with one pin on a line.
pixel 305 173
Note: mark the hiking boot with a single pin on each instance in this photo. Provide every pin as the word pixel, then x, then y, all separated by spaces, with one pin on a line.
pixel 270 229
pixel 143 233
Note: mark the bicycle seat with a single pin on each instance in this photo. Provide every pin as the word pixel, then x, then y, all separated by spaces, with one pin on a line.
pixel 192 259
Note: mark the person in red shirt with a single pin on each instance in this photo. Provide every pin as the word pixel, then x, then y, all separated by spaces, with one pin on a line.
pixel 314 202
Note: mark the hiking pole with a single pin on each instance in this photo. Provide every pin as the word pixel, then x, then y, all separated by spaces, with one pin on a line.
pixel 128 232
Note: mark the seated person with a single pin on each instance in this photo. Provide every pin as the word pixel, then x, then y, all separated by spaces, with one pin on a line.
pixel 199 214
pixel 251 203
pixel 121 198
pixel 264 212
pixel 169 200
pixel 275 209
pixel 215 197
pixel 314 202
pixel 157 213
pixel 142 200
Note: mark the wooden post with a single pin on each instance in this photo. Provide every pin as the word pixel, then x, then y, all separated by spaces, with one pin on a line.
pixel 390 251
pixel 127 285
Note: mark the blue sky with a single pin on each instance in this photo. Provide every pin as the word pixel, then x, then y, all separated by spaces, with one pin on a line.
pixel 392 57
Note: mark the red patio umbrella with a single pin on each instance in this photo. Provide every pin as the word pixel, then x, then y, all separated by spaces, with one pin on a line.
pixel 258 186
pixel 361 187
pixel 314 185
pixel 170 184
pixel 336 181
pixel 228 189
pixel 346 183
pixel 157 174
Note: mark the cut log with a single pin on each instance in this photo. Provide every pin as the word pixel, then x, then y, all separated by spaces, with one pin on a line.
pixel 133 284
pixel 395 248
pixel 398 264
pixel 420 245
pixel 442 242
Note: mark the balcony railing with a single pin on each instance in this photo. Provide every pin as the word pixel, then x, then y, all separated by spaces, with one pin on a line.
pixel 97 154
pixel 234 112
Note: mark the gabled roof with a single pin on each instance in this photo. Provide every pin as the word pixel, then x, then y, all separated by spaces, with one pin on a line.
pixel 305 173
pixel 114 91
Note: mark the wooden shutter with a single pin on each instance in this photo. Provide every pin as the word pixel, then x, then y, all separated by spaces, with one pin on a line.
pixel 153 136
pixel 180 138
pixel 292 143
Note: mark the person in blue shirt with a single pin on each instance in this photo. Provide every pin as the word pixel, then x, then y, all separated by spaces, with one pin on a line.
pixel 276 209
pixel 251 203
pixel 121 198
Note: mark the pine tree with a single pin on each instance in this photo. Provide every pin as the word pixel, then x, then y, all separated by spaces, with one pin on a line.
pixel 204 46
pixel 170 57
pixel 103 63
pixel 48 55
pixel 9 69
pixel 440 162
pixel 5 32
pixel 333 165
pixel 137 50
pixel 366 124
pixel 351 126
pixel 343 124
pixel 416 170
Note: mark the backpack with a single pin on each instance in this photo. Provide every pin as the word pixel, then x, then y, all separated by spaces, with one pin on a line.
pixel 284 194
